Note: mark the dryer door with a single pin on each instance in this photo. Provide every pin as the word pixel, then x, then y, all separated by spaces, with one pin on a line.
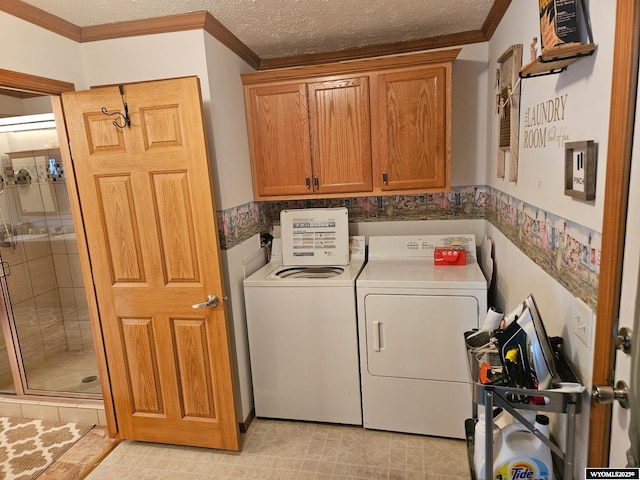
pixel 419 336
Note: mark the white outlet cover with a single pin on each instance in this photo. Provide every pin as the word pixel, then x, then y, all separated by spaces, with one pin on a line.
pixel 582 321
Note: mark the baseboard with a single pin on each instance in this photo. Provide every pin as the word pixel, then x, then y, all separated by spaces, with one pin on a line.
pixel 244 426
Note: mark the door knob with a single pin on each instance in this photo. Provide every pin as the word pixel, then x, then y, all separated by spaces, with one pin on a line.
pixel 212 301
pixel 605 394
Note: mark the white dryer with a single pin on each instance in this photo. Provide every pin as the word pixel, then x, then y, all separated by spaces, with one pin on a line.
pixel 411 318
pixel 301 321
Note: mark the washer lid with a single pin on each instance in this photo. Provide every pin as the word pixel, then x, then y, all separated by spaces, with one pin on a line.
pixel 310 272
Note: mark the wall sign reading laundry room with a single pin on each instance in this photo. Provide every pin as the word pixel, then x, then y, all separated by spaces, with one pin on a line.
pixel 543 123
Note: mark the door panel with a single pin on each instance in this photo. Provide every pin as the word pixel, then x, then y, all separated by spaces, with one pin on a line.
pixel 115 199
pixel 279 139
pixel 151 230
pixel 194 365
pixel 176 233
pixel 140 356
pixel 413 128
pixel 340 135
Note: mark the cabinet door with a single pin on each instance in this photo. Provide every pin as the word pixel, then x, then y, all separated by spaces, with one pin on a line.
pixel 340 135
pixel 279 138
pixel 412 129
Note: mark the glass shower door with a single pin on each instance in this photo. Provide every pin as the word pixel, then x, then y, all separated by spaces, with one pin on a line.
pixel 45 302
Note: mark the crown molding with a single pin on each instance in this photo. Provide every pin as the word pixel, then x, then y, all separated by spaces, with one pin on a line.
pixel 494 18
pixel 444 41
pixel 207 22
pixel 174 23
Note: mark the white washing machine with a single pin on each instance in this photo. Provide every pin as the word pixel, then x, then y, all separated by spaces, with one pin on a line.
pixel 411 318
pixel 301 321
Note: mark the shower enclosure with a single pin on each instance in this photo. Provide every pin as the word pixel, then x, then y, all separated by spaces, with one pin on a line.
pixel 48 347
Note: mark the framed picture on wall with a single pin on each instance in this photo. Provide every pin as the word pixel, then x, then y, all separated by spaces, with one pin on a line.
pixel 580 170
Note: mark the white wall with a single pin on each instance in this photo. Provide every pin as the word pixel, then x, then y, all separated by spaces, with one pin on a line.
pixel 146 57
pixel 227 113
pixel 585 86
pixel 231 170
pixel 11 106
pixel 29 49
pixel 470 82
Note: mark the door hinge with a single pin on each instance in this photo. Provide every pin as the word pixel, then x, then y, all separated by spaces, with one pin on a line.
pixel 624 340
pixel 5 269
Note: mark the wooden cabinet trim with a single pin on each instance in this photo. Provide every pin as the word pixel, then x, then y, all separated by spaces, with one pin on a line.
pixel 350 67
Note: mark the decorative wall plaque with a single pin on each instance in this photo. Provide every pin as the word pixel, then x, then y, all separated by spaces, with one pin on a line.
pixel 580 170
pixel 508 109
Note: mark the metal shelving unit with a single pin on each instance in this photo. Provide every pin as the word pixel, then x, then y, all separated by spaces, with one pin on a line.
pixel 569 404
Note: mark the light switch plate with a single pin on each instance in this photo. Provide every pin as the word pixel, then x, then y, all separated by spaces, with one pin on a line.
pixel 582 321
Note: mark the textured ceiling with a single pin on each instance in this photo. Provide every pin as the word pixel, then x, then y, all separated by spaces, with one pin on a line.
pixel 281 28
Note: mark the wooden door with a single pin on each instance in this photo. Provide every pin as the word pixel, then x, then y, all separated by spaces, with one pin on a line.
pixel 279 139
pixel 412 129
pixel 625 424
pixel 340 135
pixel 150 224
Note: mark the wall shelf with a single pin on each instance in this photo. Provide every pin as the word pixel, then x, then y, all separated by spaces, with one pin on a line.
pixel 556 59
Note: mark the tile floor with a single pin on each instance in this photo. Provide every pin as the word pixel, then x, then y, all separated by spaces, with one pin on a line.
pixel 81 457
pixel 286 450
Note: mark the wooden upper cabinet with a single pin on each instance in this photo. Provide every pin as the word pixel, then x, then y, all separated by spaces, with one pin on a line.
pixel 340 135
pixel 370 127
pixel 278 121
pixel 412 129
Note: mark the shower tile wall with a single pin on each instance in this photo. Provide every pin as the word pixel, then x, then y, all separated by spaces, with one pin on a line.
pixel 71 292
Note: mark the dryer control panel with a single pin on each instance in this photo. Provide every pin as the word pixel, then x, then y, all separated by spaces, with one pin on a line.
pixel 418 245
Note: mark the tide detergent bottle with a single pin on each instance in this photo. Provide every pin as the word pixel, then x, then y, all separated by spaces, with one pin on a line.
pixel 522 455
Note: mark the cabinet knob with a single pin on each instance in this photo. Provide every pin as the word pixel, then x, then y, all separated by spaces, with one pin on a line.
pixel 384 177
pixel 316 183
pixel 307 182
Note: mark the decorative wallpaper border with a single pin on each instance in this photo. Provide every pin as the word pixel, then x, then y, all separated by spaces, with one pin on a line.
pixel 567 251
pixel 237 224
